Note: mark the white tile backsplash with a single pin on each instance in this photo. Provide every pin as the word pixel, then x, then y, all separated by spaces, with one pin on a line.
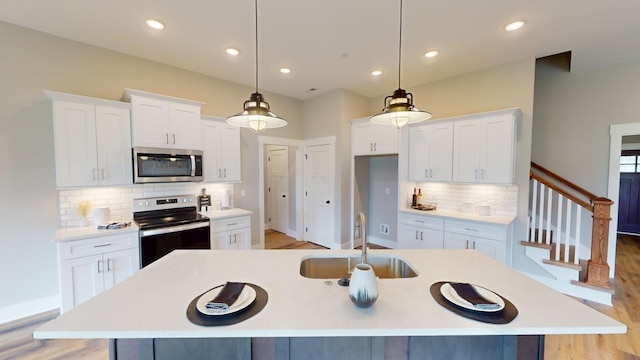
pixel 120 199
pixel 502 199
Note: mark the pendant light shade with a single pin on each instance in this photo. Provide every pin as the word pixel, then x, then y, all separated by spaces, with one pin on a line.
pixel 257 114
pixel 398 108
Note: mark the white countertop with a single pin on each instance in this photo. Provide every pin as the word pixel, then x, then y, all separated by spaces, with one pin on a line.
pixel 153 302
pixel 77 233
pixel 223 214
pixel 494 219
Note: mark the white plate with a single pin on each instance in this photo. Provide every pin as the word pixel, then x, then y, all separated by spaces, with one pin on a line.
pixel 450 294
pixel 246 298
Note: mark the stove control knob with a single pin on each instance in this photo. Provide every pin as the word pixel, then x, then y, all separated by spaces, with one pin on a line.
pixel 146 203
pixel 190 199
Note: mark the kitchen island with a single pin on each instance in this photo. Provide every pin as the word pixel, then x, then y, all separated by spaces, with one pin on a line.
pixel 312 315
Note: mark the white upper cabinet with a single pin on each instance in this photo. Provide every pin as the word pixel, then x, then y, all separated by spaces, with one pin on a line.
pixel 431 151
pixel 92 141
pixel 484 148
pixel 163 121
pixel 373 139
pixel 221 146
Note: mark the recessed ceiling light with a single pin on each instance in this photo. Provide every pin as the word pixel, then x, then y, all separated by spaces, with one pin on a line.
pixel 156 24
pixel 376 72
pixel 431 53
pixel 232 51
pixel 514 25
pixel 285 70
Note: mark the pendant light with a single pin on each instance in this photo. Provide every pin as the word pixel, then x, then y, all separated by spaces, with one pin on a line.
pixel 257 114
pixel 398 108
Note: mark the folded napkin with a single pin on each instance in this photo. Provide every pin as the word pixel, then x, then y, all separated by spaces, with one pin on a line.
pixel 469 293
pixel 226 297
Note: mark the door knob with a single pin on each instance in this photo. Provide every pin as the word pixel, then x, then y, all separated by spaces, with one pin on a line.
pixel 284 196
pixel 328 202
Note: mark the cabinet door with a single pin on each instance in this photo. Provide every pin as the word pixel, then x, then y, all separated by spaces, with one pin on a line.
pixel 409 237
pixel 74 127
pixel 491 248
pixel 466 151
pixel 241 239
pixel 80 280
pixel 497 152
pixel 230 153
pixel 385 139
pixel 113 134
pixel 185 126
pixel 221 240
pixel 419 153
pixel 150 122
pixel 361 135
pixel 440 152
pixel 211 148
pixel 457 241
pixel 119 265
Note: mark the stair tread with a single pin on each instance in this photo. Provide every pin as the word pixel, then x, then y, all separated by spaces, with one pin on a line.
pixel 565 264
pixel 536 244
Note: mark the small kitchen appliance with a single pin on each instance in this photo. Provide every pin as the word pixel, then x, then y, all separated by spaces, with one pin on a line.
pixel 155 165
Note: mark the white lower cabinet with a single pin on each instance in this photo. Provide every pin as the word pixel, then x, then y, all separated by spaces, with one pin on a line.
pixel 90 266
pixel 489 239
pixel 233 233
pixel 420 232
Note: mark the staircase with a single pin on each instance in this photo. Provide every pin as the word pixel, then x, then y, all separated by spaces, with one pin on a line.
pixel 568 236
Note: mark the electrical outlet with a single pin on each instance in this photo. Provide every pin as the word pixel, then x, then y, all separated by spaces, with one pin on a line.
pixel 384 229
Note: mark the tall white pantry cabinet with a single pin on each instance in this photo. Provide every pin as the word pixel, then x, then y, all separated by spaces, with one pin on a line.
pixel 92 141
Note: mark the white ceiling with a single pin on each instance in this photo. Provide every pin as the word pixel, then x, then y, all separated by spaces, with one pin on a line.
pixel 333 44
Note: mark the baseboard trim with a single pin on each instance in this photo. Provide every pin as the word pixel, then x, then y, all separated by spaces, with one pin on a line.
pixel 382 242
pixel 29 308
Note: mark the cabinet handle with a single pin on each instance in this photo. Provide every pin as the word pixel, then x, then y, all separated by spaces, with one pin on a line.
pixel 430 173
pixel 474 245
pixel 231 224
pixel 467 244
pixel 167 135
pixel 468 229
pixel 426 173
pixel 108 265
pixel 419 221
pixel 476 173
pixel 482 174
pixel 416 234
pixel 235 238
pixel 421 233
pixel 220 173
pixel 371 146
pixel 103 174
pixel 229 238
pixel 102 245
pixel 99 261
pixel 375 146
pixel 225 173
pixel 174 139
pixel 94 173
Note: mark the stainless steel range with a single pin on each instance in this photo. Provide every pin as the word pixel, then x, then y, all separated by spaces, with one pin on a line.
pixel 167 224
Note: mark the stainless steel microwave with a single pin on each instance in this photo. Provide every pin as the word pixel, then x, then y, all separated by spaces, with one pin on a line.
pixel 156 165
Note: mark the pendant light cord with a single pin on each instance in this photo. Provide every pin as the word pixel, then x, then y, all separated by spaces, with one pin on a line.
pixel 399 46
pixel 256 6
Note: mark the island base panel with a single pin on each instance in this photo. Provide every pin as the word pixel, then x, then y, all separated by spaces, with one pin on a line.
pixel 374 348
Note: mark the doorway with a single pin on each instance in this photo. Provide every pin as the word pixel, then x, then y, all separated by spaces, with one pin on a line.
pixel 277 193
pixel 319 192
pixel 629 198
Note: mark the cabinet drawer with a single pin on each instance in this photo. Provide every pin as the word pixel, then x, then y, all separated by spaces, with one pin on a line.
pixel 486 231
pixel 98 245
pixel 428 222
pixel 230 223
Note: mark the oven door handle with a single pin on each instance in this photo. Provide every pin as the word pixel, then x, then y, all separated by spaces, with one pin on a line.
pixel 172 229
pixel 193 165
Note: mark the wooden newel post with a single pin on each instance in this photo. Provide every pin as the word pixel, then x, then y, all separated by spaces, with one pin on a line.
pixel 597 268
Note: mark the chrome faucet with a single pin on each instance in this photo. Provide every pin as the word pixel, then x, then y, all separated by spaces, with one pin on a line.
pixel 363 237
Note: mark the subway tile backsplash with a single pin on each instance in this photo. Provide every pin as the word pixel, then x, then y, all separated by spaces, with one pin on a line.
pixel 120 199
pixel 502 199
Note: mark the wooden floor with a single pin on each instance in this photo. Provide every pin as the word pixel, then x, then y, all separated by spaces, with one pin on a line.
pixel 16 341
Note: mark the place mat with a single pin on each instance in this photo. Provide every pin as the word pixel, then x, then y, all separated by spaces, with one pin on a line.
pixel 503 316
pixel 199 318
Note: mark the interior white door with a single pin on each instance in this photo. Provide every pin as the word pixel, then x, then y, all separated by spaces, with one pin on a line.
pixel 278 188
pixel 319 201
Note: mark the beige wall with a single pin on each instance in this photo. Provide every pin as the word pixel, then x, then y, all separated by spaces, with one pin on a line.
pixel 574 112
pixel 33 61
pixel 505 86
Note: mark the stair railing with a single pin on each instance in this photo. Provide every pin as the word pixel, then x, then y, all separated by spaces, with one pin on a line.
pixel 546 187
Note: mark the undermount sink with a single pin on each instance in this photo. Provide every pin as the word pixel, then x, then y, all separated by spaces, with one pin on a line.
pixel 336 267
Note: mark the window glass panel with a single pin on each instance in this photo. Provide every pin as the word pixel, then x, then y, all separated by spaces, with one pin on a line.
pixel 631 168
pixel 628 159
